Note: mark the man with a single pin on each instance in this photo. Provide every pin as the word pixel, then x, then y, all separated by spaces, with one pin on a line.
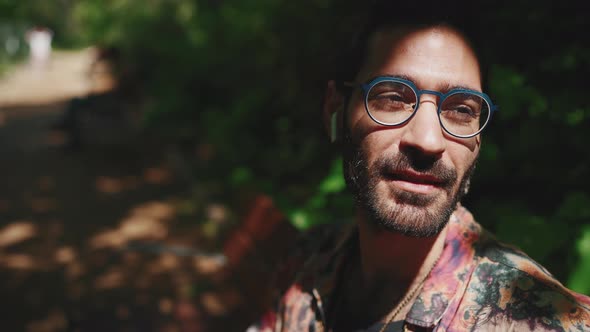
pixel 409 118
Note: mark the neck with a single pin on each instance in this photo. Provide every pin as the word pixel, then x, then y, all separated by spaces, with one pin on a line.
pixel 387 266
pixel 390 256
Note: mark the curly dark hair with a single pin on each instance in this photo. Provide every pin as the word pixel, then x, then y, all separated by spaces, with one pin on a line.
pixel 456 15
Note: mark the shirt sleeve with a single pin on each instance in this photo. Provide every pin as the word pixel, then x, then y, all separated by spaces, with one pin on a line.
pixel 285 275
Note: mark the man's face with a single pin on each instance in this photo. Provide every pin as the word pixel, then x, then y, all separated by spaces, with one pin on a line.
pixel 409 178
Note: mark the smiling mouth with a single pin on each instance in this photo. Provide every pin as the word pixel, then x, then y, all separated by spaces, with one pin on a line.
pixel 420 183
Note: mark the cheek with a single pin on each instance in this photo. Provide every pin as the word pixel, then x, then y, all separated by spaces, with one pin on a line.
pixel 356 124
pixel 463 156
pixel 367 133
pixel 462 152
pixel 472 144
pixel 376 141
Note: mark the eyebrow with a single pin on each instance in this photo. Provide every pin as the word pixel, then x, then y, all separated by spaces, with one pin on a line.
pixel 443 88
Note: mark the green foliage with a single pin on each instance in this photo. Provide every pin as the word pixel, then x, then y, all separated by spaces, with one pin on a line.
pixel 578 280
pixel 537 236
pixel 13 46
pixel 327 194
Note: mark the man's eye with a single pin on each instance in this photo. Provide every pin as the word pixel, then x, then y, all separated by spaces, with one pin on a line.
pixel 461 113
pixel 389 96
pixel 388 102
pixel 463 109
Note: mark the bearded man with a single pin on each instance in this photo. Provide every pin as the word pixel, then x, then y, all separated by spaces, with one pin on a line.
pixel 409 115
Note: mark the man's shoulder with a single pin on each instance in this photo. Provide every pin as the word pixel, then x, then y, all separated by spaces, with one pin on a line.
pixel 508 259
pixel 509 287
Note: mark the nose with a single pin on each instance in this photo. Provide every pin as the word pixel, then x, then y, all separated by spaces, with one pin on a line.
pixel 423 132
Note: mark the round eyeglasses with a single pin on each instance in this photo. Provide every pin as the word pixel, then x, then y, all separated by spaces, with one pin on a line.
pixel 462 113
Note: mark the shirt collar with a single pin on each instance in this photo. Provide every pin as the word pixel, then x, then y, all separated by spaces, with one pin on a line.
pixel 450 275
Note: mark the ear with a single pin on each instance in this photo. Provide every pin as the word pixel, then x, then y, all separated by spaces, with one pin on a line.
pixel 332 113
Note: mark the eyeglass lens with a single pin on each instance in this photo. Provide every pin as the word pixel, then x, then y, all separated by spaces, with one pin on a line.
pixel 461 113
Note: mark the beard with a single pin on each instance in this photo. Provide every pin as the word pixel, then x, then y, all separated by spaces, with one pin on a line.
pixel 397 210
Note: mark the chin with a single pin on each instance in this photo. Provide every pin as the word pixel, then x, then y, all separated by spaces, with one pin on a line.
pixel 411 214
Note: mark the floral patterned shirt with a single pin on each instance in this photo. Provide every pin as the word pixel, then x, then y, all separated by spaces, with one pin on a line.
pixel 478 284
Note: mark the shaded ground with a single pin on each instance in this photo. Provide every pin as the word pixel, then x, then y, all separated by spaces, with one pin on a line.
pixel 101 239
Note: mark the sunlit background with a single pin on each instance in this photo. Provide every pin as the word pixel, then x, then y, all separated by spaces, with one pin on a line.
pixel 157 157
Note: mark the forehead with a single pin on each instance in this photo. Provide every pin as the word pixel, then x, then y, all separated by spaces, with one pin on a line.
pixel 432 57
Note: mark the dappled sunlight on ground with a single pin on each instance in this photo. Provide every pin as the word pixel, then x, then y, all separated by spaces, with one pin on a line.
pixel 151 175
pixel 146 222
pixel 54 321
pixel 16 232
pixel 18 261
pixel 106 237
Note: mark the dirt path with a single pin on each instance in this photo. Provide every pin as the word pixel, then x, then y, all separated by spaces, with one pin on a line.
pixel 68 222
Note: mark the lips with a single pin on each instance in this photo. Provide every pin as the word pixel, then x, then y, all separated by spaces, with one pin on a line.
pixel 406 174
pixel 415 181
pixel 415 177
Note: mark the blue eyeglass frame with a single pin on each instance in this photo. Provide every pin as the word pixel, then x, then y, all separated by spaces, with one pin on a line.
pixel 366 88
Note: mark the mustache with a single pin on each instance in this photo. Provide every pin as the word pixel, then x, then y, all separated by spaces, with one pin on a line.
pixel 403 161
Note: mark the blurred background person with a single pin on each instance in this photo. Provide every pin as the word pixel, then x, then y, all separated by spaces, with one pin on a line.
pixel 39 40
